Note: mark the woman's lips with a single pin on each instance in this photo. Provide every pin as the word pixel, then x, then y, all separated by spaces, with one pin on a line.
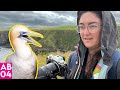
pixel 87 39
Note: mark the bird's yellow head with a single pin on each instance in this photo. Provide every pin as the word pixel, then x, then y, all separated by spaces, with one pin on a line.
pixel 23 34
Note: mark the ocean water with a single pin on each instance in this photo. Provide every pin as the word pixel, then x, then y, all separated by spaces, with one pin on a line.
pixel 4 52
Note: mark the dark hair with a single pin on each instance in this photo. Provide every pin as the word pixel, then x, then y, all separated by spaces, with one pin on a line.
pixel 97 55
pixel 93 62
pixel 80 13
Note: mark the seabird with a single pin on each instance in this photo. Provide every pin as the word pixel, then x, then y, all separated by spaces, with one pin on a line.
pixel 23 59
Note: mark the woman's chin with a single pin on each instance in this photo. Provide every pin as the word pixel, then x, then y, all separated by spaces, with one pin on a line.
pixel 89 46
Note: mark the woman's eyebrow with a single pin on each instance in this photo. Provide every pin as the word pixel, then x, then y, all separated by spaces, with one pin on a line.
pixel 88 23
pixel 81 23
pixel 92 23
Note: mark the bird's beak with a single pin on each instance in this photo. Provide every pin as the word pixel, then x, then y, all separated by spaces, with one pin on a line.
pixel 31 34
pixel 28 37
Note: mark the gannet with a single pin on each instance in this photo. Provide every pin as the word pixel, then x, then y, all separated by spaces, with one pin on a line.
pixel 23 59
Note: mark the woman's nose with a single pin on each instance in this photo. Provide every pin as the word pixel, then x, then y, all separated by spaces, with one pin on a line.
pixel 86 31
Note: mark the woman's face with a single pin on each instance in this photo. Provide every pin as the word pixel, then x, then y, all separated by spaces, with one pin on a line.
pixel 90 30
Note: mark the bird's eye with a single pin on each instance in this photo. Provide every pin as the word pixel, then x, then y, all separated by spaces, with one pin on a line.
pixel 23 34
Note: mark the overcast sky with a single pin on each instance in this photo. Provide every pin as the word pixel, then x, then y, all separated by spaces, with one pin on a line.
pixel 42 18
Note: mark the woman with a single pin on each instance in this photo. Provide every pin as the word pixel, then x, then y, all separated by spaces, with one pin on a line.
pixel 98 42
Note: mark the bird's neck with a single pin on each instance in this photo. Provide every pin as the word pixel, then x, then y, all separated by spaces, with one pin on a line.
pixel 23 50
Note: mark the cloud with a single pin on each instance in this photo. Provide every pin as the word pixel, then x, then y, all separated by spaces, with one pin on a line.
pixel 116 15
pixel 37 18
pixel 42 18
pixel 58 17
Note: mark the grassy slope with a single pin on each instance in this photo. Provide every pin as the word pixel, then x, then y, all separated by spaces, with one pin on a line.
pixel 70 27
pixel 56 28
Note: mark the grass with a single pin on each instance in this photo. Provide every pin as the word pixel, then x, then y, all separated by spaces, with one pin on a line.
pixel 118 24
pixel 56 28
pixel 4 30
pixel 69 27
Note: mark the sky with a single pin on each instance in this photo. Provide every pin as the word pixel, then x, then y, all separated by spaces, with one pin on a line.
pixel 42 18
